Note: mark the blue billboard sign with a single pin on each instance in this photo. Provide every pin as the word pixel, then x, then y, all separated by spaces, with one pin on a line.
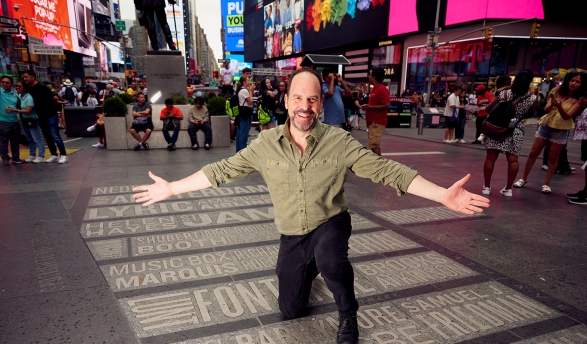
pixel 233 23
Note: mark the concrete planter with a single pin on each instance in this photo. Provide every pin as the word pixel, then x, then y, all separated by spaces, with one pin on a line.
pixel 220 131
pixel 115 132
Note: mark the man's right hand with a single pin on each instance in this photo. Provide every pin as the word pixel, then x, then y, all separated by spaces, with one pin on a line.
pixel 153 193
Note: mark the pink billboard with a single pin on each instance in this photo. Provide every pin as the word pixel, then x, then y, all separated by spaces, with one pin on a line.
pixel 460 11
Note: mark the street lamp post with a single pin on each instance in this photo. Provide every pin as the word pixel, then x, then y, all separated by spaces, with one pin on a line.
pixel 432 42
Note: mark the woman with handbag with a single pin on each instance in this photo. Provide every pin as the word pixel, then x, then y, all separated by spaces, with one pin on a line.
pixel 268 104
pixel 562 105
pixel 525 104
pixel 30 124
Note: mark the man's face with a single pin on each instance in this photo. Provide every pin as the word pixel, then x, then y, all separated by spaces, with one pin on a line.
pixel 28 79
pixel 169 106
pixel 142 85
pixel 141 99
pixel 133 85
pixel 304 101
pixel 287 3
pixel 458 92
pixel 226 65
pixel 6 84
pixel 198 105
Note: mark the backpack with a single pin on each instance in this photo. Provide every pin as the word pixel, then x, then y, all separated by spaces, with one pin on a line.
pixel 69 95
pixel 234 104
pixel 498 125
pixel 263 114
pixel 239 110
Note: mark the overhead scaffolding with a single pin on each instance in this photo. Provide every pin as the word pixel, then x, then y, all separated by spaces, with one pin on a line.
pixel 271 72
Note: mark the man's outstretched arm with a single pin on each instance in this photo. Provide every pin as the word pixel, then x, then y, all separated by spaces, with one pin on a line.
pixel 163 189
pixel 455 197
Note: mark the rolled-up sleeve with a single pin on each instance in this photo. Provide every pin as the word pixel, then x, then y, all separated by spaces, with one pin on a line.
pixel 364 163
pixel 236 167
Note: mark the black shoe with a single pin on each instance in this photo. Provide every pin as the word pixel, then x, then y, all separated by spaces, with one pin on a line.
pixel 137 147
pixel 579 201
pixel 173 146
pixel 577 195
pixel 207 146
pixel 195 147
pixel 146 146
pixel 170 146
pixel 17 161
pixel 5 162
pixel 348 332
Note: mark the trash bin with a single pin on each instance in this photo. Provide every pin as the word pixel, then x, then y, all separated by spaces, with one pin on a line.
pixel 433 117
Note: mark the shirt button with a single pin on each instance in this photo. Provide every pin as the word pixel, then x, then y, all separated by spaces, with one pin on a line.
pixel 301 191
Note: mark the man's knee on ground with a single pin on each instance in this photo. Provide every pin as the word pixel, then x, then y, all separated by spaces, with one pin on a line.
pixel 291 311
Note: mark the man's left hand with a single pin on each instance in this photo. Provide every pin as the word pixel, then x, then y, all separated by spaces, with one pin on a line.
pixel 461 200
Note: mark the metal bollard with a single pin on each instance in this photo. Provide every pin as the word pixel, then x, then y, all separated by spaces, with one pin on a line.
pixel 420 122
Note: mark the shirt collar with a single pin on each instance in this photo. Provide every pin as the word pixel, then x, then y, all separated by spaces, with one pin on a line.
pixel 10 92
pixel 317 132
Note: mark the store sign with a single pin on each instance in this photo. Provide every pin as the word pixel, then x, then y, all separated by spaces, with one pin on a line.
pixel 384 43
pixel 233 22
pixel 39 49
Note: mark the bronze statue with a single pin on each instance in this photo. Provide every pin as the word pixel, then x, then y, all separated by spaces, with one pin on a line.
pixel 148 9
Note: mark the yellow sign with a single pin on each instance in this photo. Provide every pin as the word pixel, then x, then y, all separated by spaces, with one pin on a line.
pixel 236 20
pixel 390 42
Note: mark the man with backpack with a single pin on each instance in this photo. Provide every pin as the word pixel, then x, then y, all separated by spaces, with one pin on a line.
pixel 69 93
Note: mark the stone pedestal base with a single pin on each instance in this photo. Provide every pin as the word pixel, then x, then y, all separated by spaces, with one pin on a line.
pixel 165 75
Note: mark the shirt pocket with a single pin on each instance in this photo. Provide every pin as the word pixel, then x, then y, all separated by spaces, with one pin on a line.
pixel 277 177
pixel 323 173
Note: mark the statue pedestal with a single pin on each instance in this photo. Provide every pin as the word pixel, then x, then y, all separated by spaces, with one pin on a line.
pixel 165 70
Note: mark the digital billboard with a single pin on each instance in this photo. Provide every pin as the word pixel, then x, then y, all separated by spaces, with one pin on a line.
pixel 47 15
pixel 233 22
pixel 332 23
pixel 254 39
pixel 80 17
pixel 461 11
pixel 282 28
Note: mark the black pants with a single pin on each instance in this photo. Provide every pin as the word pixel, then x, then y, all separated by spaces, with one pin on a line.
pixel 157 11
pixel 478 125
pixel 10 133
pixel 205 127
pixel 302 257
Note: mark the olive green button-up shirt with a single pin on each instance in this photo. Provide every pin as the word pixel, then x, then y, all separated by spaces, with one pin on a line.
pixel 308 189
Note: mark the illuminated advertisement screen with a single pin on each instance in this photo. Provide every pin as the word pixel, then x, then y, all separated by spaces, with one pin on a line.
pixel 333 23
pixel 80 18
pixel 461 11
pixel 254 28
pixel 282 28
pixel 232 18
pixel 47 15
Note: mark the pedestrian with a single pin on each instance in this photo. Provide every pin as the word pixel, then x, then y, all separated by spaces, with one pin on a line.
pixel 463 118
pixel 580 197
pixel 562 105
pixel 199 119
pixel 92 101
pixel 98 127
pixel 245 91
pixel 9 126
pixel 525 103
pixel 268 103
pixel 48 118
pixel 142 114
pixel 305 164
pixel 483 99
pixel 376 109
pixel 451 114
pixel 333 103
pixel 60 102
pixel 171 117
pixel 226 76
pixel 30 124
pixel 280 110
pixel 70 93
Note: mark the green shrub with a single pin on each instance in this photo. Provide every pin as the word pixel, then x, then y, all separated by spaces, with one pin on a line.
pixel 114 107
pixel 178 99
pixel 191 101
pixel 217 106
pixel 126 98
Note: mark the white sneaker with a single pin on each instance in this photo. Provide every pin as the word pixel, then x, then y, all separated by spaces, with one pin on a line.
pixel 91 128
pixel 506 192
pixel 38 160
pixel 486 190
pixel 455 141
pixel 63 159
pixel 481 138
pixel 53 158
pixel 447 141
pixel 98 145
pixel 29 159
pixel 545 167
pixel 462 141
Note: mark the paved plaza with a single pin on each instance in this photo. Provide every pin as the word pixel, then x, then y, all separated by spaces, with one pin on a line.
pixel 80 262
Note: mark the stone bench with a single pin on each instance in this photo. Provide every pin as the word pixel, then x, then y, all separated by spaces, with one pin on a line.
pixel 220 131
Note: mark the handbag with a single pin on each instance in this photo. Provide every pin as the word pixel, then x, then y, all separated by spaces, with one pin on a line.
pixel 30 122
pixel 263 115
pixel 544 120
pixel 454 118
